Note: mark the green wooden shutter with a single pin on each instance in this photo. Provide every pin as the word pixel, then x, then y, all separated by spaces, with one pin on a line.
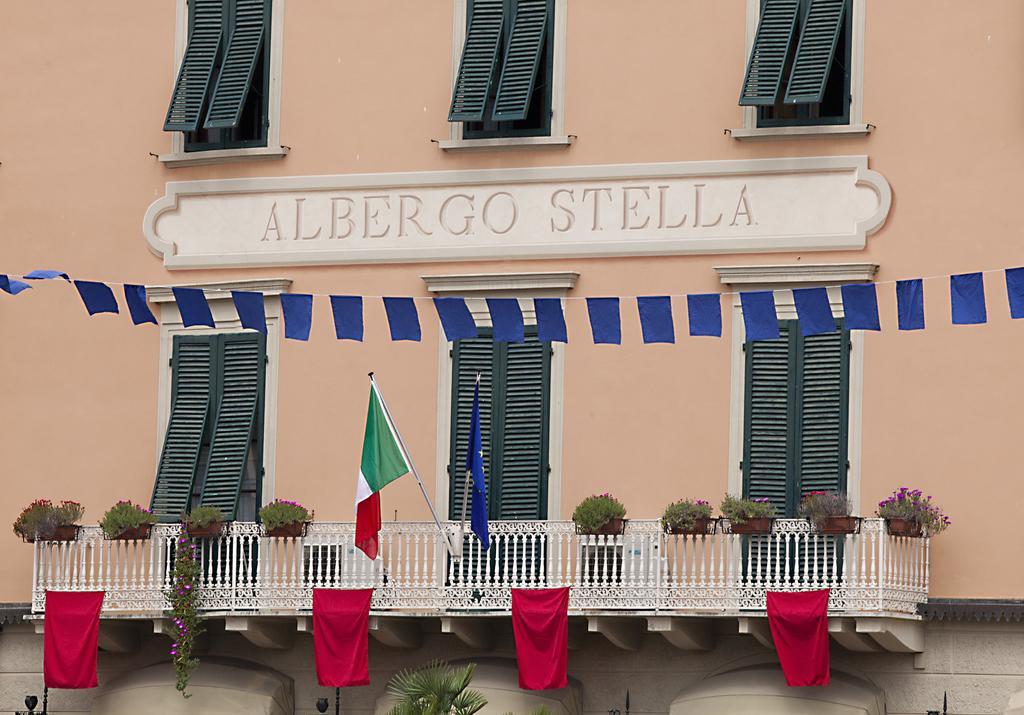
pixel 519 69
pixel 205 37
pixel 241 369
pixel 244 51
pixel 479 56
pixel 796 416
pixel 520 491
pixel 514 416
pixel 776 32
pixel 767 467
pixel 815 52
pixel 823 406
pixel 469 357
pixel 190 404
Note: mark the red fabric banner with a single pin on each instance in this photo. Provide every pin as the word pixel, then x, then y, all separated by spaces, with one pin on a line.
pixel 799 624
pixel 540 622
pixel 341 625
pixel 71 634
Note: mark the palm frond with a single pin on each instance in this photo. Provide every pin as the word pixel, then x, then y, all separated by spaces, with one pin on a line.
pixel 435 689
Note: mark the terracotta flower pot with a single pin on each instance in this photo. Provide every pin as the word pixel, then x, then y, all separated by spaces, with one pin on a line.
pixel 59 533
pixel 138 533
pixel 700 526
pixel 837 525
pixel 65 533
pixel 903 527
pixel 211 530
pixel 612 527
pixel 760 525
pixel 288 530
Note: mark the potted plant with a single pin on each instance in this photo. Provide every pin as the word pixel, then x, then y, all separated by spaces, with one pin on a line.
pixel 828 512
pixel 127 521
pixel 601 559
pixel 68 514
pixel 600 514
pixel 204 522
pixel 687 516
pixel 43 521
pixel 748 516
pixel 282 518
pixel 907 512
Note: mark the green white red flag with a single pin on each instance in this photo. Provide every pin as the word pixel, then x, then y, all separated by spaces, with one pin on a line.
pixel 383 462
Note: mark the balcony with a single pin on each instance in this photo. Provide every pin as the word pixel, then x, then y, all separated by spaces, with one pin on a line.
pixel 643 572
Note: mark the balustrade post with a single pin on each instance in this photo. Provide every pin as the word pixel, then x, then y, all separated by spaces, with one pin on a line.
pixel 659 550
pixel 883 539
pixel 927 546
pixel 151 571
pixel 234 563
pixel 440 562
pixel 35 574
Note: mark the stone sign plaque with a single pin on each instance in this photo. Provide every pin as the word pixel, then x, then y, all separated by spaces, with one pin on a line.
pixel 816 203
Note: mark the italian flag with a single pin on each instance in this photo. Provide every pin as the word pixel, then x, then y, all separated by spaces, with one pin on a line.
pixel 383 463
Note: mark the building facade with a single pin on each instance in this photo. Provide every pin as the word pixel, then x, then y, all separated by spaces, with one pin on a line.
pixel 517 149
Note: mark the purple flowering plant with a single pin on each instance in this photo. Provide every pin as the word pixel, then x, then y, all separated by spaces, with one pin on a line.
pixel 282 512
pixel 817 506
pixel 913 505
pixel 683 514
pixel 123 516
pixel 597 510
pixel 183 599
pixel 739 510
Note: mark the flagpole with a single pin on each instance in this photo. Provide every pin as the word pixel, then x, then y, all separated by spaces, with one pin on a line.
pixel 412 466
pixel 465 486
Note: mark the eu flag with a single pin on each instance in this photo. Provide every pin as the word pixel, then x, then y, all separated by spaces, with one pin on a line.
pixel 475 471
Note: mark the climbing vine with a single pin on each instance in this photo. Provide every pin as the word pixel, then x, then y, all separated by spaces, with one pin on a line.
pixel 184 611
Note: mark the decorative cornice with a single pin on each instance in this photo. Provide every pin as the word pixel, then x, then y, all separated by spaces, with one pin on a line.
pixel 795 273
pixel 967 609
pixel 222 290
pixel 470 283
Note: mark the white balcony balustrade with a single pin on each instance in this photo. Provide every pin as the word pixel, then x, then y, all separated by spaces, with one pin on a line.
pixel 643 571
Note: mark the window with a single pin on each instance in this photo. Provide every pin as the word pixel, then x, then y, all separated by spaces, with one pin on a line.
pixel 796 415
pixel 503 87
pixel 800 67
pixel 515 395
pixel 213 448
pixel 220 98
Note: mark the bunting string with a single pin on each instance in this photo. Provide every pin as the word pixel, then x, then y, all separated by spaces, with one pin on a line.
pixel 703 310
pixel 44 275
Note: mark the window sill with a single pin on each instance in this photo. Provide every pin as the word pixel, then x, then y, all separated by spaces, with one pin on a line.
pixel 175 160
pixel 505 143
pixel 824 130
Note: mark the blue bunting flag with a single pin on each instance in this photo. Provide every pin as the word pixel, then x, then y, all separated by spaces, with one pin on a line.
pixel 298 315
pixel 348 317
pixel 402 319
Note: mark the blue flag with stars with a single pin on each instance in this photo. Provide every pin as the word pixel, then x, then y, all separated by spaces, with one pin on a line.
pixel 475 471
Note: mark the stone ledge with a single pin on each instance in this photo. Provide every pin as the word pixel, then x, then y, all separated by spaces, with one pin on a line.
pixel 13 613
pixel 969 609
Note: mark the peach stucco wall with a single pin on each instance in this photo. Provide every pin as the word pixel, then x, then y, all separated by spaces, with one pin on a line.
pixel 365 89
